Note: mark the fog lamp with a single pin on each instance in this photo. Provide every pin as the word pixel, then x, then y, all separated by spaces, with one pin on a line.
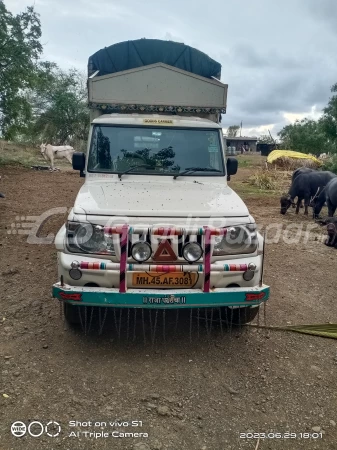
pixel 192 251
pixel 249 275
pixel 141 251
pixel 75 274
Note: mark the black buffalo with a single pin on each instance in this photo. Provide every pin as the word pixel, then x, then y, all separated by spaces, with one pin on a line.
pixel 327 194
pixel 331 228
pixel 331 241
pixel 295 174
pixel 304 187
pixel 301 170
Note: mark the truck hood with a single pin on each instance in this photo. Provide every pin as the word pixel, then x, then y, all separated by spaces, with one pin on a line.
pixel 174 198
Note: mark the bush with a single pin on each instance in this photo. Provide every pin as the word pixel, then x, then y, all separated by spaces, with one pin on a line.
pixel 331 164
pixel 264 180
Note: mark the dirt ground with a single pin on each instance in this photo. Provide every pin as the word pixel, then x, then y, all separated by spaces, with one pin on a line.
pixel 204 394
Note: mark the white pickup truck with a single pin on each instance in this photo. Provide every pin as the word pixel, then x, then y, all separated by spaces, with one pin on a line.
pixel 155 224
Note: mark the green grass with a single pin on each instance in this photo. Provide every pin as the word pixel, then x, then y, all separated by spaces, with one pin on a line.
pixel 250 160
pixel 17 159
pixel 16 154
pixel 247 189
pixel 12 154
pixel 243 163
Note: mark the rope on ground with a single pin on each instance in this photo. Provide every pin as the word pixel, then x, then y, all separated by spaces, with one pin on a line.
pixel 327 330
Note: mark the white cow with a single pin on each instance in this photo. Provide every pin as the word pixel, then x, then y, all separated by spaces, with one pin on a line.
pixel 51 152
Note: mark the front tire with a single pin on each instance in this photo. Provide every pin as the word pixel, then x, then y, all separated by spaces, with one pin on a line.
pixel 242 316
pixel 71 314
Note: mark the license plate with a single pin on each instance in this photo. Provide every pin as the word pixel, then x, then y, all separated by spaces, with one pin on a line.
pixel 171 280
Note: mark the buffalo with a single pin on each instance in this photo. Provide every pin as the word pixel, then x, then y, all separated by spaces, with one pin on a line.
pixel 331 226
pixel 304 187
pixel 301 170
pixel 327 194
pixel 295 174
pixel 331 241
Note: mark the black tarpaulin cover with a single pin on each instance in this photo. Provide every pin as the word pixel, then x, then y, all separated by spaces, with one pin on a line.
pixel 142 52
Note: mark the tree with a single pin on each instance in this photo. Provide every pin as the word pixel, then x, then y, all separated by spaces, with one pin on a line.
pixel 60 108
pixel 310 136
pixel 329 121
pixel 265 139
pixel 20 49
pixel 232 131
pixel 306 136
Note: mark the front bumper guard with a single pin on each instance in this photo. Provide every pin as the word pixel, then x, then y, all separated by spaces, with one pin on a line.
pixel 171 299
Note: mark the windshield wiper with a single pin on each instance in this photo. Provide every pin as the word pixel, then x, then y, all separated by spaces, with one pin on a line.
pixel 130 169
pixel 196 169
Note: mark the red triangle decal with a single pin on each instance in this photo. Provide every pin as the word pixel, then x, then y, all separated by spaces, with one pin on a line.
pixel 164 252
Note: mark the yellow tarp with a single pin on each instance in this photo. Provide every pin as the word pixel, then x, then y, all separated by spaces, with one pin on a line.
pixel 275 154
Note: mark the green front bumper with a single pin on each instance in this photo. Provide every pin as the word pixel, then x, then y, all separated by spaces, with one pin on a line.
pixel 172 299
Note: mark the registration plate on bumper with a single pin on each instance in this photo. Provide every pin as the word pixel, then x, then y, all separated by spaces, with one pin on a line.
pixel 176 280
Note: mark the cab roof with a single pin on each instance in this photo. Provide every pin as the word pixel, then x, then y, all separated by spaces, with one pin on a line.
pixel 155 120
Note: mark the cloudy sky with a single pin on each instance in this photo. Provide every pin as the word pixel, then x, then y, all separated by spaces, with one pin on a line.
pixel 278 56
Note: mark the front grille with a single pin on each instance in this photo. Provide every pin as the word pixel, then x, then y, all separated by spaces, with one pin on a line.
pixel 177 243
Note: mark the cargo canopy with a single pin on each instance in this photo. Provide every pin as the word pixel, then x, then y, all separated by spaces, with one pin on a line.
pixel 142 52
pixel 157 88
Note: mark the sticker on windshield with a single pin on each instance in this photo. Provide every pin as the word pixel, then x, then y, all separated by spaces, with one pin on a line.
pixel 158 121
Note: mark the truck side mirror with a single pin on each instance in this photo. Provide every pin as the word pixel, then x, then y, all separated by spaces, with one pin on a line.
pixel 232 167
pixel 79 162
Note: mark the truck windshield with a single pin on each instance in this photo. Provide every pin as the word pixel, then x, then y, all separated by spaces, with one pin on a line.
pixel 157 151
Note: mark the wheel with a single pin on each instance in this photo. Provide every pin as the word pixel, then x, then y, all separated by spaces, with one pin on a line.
pixel 241 316
pixel 71 313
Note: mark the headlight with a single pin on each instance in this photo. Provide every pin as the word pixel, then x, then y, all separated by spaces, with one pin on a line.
pixel 141 251
pixel 238 240
pixel 192 251
pixel 88 238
